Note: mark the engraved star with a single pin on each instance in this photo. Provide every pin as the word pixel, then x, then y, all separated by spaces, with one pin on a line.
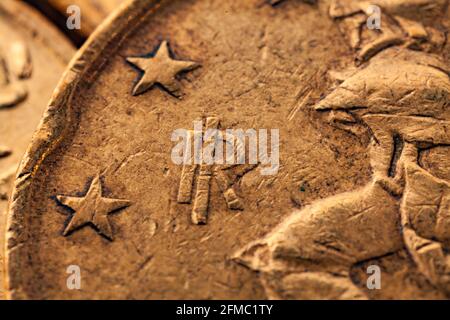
pixel 160 69
pixel 92 209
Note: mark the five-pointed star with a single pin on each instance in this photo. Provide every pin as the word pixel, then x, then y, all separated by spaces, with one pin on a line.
pixel 161 69
pixel 92 209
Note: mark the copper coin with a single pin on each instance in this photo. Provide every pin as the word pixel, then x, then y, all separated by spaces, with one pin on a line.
pixel 33 56
pixel 135 185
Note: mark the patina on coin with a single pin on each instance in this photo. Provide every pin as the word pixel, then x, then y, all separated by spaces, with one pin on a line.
pixel 33 56
pixel 102 209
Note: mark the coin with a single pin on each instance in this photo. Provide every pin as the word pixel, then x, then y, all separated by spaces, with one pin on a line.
pixel 32 59
pixel 242 150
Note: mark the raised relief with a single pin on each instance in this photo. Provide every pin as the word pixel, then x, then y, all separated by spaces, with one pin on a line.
pixel 15 65
pixel 407 100
pixel 403 22
pixel 225 175
pixel 161 69
pixel 401 98
pixel 92 209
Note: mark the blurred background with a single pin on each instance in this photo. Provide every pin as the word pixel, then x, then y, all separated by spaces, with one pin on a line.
pixel 92 12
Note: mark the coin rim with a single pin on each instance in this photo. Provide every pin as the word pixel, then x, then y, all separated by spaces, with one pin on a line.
pixel 54 125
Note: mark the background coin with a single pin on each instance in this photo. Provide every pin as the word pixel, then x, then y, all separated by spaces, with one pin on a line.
pixel 33 55
pixel 90 13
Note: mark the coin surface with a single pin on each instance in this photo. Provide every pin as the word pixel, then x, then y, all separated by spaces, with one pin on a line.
pixel 33 56
pixel 343 189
